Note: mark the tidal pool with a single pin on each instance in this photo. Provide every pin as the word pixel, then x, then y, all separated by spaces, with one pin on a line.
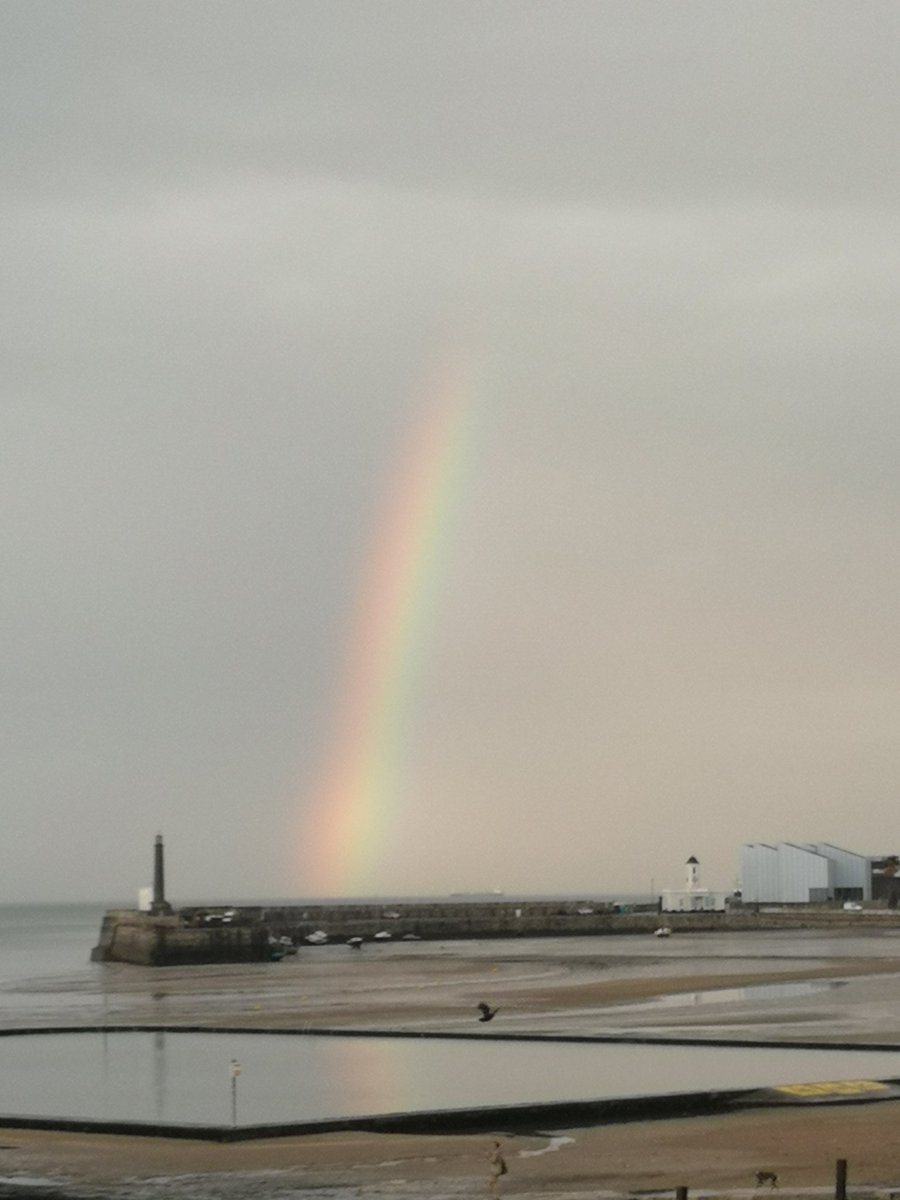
pixel 186 1078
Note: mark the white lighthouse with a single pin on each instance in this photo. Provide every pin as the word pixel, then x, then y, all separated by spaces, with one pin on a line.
pixel 692 875
pixel 692 897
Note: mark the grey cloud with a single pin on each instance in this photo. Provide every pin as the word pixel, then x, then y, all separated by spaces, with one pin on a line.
pixel 235 244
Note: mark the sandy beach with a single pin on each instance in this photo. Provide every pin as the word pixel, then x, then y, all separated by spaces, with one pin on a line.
pixel 713 1155
pixel 580 985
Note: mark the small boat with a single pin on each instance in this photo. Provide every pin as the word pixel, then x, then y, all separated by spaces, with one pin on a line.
pixel 663 931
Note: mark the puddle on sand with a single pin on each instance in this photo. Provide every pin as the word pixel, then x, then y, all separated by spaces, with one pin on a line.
pixel 759 991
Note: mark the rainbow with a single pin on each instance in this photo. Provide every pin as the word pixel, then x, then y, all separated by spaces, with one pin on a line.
pixel 357 797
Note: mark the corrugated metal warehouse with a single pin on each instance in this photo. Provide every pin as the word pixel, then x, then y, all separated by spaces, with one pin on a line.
pixel 806 873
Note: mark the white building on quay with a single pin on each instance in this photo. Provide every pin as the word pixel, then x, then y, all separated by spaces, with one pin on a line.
pixel 692 897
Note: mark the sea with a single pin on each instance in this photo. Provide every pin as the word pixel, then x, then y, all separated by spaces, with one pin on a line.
pixel 40 942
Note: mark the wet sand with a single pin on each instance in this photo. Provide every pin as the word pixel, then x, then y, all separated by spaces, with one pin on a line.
pixel 563 986
pixel 553 998
pixel 554 986
pixel 716 1155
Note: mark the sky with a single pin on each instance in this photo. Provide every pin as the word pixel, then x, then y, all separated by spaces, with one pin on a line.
pixel 445 447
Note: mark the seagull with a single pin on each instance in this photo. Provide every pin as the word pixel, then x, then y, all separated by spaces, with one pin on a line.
pixel 487 1013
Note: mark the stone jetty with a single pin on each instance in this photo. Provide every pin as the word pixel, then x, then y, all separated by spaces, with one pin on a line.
pixel 248 933
pixel 164 936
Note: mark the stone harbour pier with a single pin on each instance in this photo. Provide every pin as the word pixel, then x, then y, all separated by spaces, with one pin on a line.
pixel 164 936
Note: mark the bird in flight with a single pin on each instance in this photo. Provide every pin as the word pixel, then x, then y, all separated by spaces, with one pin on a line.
pixel 487 1013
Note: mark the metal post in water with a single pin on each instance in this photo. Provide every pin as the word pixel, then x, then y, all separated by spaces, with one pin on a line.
pixel 235 1071
pixel 840 1179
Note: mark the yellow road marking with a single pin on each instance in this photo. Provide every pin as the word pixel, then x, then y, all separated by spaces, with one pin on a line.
pixel 847 1087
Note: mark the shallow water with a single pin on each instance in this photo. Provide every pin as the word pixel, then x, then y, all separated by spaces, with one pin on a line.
pixel 741 995
pixel 186 1078
pixel 40 940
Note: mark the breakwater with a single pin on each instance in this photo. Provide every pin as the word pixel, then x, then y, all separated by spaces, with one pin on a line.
pixel 246 933
pixel 163 941
pixel 539 918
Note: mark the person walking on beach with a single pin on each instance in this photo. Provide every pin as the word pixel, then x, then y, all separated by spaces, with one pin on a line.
pixel 497 1167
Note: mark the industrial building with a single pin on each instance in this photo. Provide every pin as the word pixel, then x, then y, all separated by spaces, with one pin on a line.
pixel 816 873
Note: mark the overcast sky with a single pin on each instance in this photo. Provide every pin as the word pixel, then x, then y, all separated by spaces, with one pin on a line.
pixel 237 238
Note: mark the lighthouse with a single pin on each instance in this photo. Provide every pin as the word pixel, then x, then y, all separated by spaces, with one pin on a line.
pixel 692 897
pixel 692 875
pixel 160 906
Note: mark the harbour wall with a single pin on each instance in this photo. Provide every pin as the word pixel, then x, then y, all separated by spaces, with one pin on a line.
pixel 244 933
pixel 500 919
pixel 162 941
